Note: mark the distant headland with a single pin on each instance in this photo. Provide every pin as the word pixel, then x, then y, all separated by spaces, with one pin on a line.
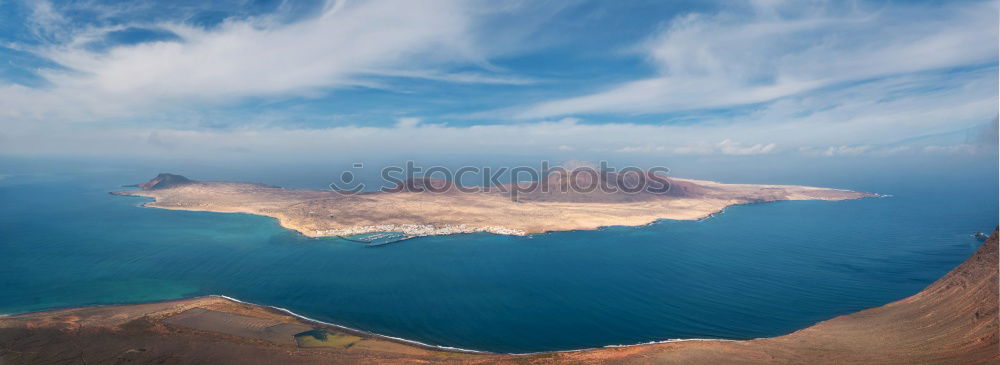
pixel 413 212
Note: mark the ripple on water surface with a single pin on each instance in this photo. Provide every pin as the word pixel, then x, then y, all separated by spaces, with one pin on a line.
pixel 753 271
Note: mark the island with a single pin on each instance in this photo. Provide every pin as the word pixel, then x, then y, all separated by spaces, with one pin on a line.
pixel 952 321
pixel 411 209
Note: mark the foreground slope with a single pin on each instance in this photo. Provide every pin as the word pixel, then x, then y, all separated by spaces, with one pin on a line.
pixel 952 321
pixel 418 212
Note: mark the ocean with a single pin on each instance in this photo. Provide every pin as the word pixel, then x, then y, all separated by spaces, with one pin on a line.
pixel 752 271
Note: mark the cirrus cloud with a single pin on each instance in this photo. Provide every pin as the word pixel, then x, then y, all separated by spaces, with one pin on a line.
pixel 344 45
pixel 771 50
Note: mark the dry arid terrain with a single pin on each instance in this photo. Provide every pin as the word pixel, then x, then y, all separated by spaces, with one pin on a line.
pixel 952 321
pixel 417 212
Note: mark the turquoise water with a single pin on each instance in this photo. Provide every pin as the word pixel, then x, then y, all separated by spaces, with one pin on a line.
pixel 753 271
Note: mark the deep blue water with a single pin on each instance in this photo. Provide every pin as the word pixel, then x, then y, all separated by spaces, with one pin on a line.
pixel 752 271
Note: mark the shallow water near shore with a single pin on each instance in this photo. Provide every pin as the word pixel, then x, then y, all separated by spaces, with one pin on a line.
pixel 753 271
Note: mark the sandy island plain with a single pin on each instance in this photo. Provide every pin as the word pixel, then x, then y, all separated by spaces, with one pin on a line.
pixel 417 212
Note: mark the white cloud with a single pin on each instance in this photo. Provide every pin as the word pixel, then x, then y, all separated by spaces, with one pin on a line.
pixel 257 56
pixel 409 138
pixel 729 147
pixel 408 122
pixel 643 149
pixel 704 60
pixel 846 150
pixel 862 116
pixel 725 147
pixel 778 49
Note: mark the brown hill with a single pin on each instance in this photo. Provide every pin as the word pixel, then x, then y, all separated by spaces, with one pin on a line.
pixel 579 185
pixel 165 180
pixel 422 184
pixel 589 185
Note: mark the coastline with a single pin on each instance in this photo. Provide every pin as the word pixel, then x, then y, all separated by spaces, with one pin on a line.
pixel 953 320
pixel 352 330
pixel 315 213
pixel 451 230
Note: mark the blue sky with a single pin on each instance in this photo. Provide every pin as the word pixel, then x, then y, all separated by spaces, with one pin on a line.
pixel 642 80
